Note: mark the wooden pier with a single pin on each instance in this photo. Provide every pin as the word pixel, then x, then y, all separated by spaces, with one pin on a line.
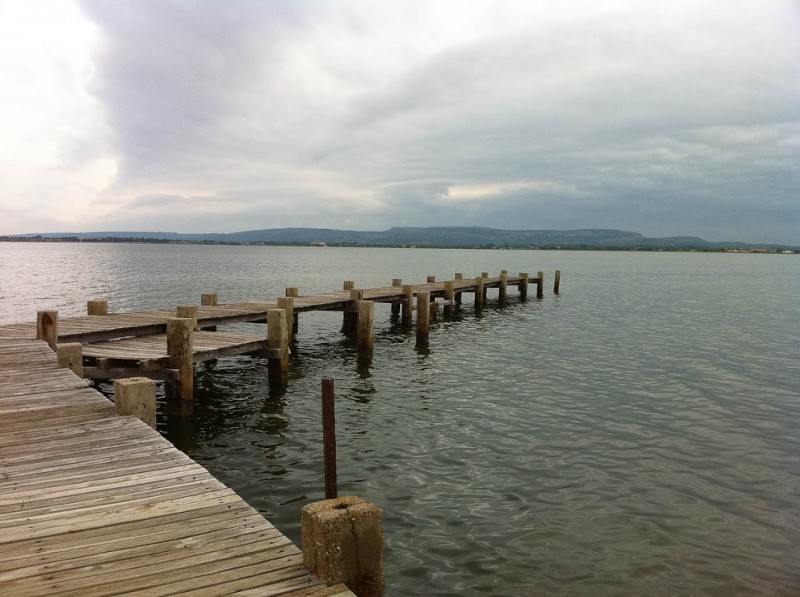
pixel 94 503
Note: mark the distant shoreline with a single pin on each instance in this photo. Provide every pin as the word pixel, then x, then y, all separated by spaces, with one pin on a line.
pixel 777 250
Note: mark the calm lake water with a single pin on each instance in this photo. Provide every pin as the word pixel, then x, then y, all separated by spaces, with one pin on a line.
pixel 637 434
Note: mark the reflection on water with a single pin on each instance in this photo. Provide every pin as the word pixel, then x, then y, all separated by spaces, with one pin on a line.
pixel 636 434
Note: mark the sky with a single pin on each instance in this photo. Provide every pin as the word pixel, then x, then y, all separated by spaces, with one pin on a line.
pixel 665 118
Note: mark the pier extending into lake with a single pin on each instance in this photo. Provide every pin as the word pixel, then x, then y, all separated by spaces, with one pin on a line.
pixel 94 503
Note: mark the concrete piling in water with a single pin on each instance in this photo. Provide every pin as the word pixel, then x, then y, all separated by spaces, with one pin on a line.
pixel 277 347
pixel 180 354
pixel 97 307
pixel 540 285
pixel 423 317
pixel 70 356
pixel 557 282
pixel 136 396
pixel 342 542
pixel 47 327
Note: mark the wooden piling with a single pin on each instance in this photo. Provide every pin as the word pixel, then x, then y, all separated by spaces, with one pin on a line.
pixel 365 336
pixel 136 396
pixel 70 356
pixel 343 543
pixel 188 312
pixel 348 285
pixel 329 438
pixel 293 292
pixel 431 279
pixel 287 304
pixel 208 299
pixel 397 282
pixel 503 289
pixel 480 292
pixel 277 347
pixel 540 285
pixel 97 307
pixel 47 327
pixel 423 317
pixel 557 281
pixel 449 297
pixel 484 274
pixel 459 276
pixel 408 304
pixel 503 272
pixel 350 316
pixel 523 286
pixel 180 355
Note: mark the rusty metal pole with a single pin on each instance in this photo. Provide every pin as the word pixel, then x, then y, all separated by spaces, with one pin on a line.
pixel 329 438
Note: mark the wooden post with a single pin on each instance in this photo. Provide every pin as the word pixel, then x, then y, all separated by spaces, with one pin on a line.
pixel 97 307
pixel 47 327
pixel 188 312
pixel 348 285
pixel 365 336
pixel 540 285
pixel 278 347
pixel 136 396
pixel 179 349
pixel 480 292
pixel 287 304
pixel 557 281
pixel 523 286
pixel 209 299
pixel 431 279
pixel 70 355
pixel 350 317
pixel 423 317
pixel 343 543
pixel 503 272
pixel 449 297
pixel 396 283
pixel 408 304
pixel 329 439
pixel 459 276
pixel 293 292
pixel 503 294
pixel 484 274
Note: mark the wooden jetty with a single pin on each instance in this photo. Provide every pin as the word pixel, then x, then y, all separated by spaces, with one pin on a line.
pixel 166 345
pixel 93 503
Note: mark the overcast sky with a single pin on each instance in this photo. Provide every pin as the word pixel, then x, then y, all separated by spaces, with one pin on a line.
pixel 666 118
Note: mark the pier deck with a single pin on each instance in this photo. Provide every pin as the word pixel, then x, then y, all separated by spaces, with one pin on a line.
pixel 92 503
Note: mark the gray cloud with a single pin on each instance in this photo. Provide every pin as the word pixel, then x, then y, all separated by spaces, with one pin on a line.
pixel 679 119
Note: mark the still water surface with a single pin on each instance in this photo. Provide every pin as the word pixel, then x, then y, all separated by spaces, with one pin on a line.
pixel 637 434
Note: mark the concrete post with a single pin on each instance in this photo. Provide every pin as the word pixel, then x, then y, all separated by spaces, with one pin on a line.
pixel 343 543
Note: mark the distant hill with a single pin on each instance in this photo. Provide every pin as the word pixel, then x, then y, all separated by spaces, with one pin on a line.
pixel 435 236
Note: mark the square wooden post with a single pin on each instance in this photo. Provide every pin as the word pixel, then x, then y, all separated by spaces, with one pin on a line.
pixel 423 317
pixel 408 304
pixel 365 336
pixel 181 355
pixel 523 286
pixel 47 327
pixel 97 307
pixel 540 285
pixel 287 304
pixel 503 288
pixel 480 292
pixel 136 396
pixel 70 356
pixel 277 347
pixel 557 282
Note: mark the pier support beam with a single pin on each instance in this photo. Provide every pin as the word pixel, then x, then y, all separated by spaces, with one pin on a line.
pixel 396 283
pixel 278 347
pixel 557 281
pixel 350 317
pixel 70 356
pixel 136 396
pixel 365 335
pixel 503 289
pixel 523 286
pixel 97 307
pixel 342 542
pixel 480 292
pixel 459 278
pixel 423 317
pixel 408 304
pixel 449 297
pixel 540 285
pixel 47 327
pixel 180 354
pixel 287 304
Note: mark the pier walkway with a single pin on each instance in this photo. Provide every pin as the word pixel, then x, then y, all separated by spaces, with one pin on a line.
pixel 92 503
